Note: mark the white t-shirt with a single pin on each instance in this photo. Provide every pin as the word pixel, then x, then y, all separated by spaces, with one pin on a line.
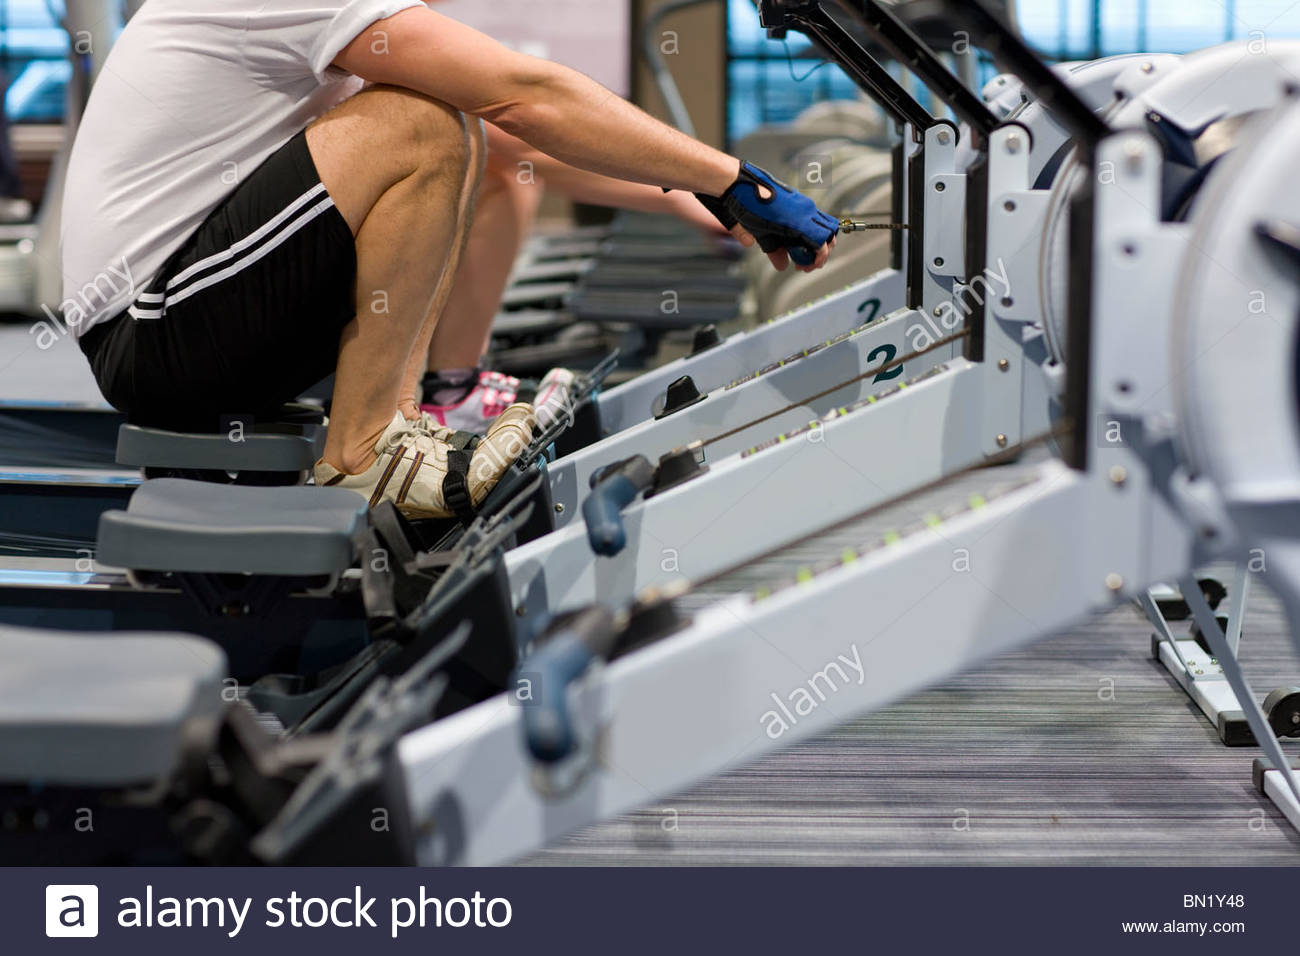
pixel 194 96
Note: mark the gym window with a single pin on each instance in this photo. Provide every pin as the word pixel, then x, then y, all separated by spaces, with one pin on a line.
pixel 34 57
pixel 771 82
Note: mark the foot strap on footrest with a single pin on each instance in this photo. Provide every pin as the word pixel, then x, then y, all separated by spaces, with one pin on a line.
pixel 465 441
pixel 455 487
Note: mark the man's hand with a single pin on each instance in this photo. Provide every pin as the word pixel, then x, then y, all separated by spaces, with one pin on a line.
pixel 689 209
pixel 788 226
pixel 780 258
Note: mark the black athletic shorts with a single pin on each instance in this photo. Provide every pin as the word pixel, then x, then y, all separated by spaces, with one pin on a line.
pixel 245 316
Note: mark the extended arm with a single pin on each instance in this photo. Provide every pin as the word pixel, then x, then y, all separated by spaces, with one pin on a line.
pixel 510 156
pixel 551 107
pixel 562 113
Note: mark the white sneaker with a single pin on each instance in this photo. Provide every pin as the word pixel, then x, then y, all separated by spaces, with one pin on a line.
pixel 414 464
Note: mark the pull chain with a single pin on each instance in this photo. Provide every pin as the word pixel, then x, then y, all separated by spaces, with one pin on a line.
pixel 849 224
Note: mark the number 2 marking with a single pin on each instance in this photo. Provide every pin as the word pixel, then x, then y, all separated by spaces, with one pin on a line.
pixel 888 351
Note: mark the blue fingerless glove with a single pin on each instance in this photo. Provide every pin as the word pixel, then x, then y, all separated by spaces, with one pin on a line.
pixel 787 220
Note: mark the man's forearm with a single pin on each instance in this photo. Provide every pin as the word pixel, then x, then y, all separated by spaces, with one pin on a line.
pixel 578 121
pixel 596 189
pixel 511 156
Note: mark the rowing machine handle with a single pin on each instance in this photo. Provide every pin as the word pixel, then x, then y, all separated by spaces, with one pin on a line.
pixel 613 489
pixel 572 646
pixel 801 256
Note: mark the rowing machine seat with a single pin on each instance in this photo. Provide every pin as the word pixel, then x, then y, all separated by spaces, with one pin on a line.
pixel 102 710
pixel 172 524
pixel 287 442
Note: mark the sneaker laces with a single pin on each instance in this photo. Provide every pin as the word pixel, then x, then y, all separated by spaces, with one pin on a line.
pixel 500 391
pixel 418 435
pixel 431 427
pixel 499 380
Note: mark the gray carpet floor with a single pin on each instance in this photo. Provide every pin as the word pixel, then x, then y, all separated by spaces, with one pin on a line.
pixel 1017 762
pixel 1029 759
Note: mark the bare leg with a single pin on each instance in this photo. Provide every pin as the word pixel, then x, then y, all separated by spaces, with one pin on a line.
pixel 411 396
pixel 398 166
pixel 507 207
pixel 517 175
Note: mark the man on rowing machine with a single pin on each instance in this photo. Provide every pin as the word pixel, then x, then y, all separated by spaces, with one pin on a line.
pixel 261 194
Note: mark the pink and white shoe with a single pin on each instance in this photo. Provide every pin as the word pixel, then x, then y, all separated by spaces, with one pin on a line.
pixel 482 405
pixel 554 400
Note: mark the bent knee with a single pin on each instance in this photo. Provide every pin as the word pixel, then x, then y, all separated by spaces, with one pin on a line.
pixel 422 126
